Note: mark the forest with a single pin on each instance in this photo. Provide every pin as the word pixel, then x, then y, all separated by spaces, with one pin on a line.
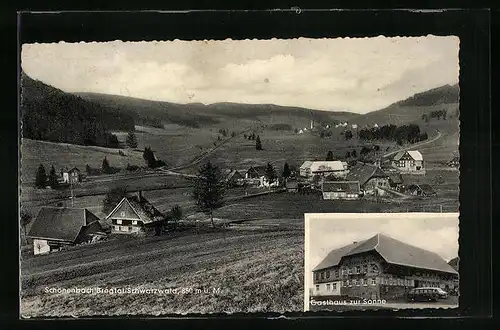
pixel 52 115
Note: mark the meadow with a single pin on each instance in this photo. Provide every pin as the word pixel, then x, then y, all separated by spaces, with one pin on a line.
pixel 235 262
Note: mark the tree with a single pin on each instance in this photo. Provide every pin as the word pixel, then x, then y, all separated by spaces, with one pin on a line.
pixel 329 156
pixel 149 157
pixel 322 134
pixel 53 178
pixel 112 198
pixel 25 219
pixel 175 214
pixel 286 171
pixel 41 177
pixel 209 190
pixel 354 153
pixel 347 154
pixel 270 173
pixel 233 134
pixel 244 136
pixel 444 114
pixel 258 144
pixel 131 140
pixel 348 135
pixel 425 118
pixel 296 130
pixel 105 166
pixel 88 170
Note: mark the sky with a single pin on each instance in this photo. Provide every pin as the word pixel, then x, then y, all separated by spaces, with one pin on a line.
pixel 342 74
pixel 435 232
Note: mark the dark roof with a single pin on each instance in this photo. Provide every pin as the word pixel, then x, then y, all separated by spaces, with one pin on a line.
pixel 60 223
pixel 396 178
pixel 144 209
pixel 426 189
pixel 454 263
pixel 229 174
pixel 364 172
pixel 393 251
pixel 347 186
pixel 260 170
pixel 74 169
pixel 292 184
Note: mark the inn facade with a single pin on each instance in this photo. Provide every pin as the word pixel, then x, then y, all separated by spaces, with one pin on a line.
pixel 380 267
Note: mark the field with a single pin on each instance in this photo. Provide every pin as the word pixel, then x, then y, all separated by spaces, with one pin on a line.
pixel 235 262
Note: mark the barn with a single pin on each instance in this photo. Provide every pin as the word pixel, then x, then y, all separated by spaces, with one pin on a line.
pixel 369 177
pixel 380 267
pixel 55 227
pixel 132 214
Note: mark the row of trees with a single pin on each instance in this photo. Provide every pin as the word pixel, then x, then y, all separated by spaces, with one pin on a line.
pixel 150 159
pixel 435 114
pixel 401 134
pixel 43 180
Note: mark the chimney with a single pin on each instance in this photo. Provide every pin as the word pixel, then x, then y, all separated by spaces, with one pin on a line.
pixel 139 195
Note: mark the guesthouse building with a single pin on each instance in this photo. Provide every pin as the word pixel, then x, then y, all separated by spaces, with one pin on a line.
pixel 309 169
pixel 380 267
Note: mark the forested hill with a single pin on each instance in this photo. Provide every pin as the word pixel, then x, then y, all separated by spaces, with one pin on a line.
pixel 441 95
pixel 50 114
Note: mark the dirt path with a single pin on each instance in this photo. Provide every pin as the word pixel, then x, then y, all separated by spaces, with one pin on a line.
pixel 416 145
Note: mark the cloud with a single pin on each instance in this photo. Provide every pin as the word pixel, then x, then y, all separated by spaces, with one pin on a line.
pixel 357 75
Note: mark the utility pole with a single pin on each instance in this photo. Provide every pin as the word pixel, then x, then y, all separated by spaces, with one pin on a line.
pixel 441 208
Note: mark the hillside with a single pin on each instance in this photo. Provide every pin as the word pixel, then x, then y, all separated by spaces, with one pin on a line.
pixel 198 114
pixel 411 109
pixel 50 114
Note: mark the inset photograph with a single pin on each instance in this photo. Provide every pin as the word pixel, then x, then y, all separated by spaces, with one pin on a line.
pixel 362 261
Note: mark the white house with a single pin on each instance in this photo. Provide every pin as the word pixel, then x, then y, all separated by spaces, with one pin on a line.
pixel 409 161
pixel 323 168
pixel 354 126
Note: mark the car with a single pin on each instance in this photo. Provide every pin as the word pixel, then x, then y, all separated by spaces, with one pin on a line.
pixel 426 294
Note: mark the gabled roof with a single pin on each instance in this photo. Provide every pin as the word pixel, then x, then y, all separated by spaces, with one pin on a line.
pixel 60 223
pixel 73 169
pixel 396 178
pixel 416 155
pixel 427 189
pixel 142 207
pixel 334 165
pixel 392 251
pixel 364 172
pixel 341 186
pixel 260 170
pixel 306 165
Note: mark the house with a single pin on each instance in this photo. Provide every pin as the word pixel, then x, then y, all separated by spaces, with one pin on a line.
pixel 354 126
pixel 132 214
pixel 411 162
pixel 323 168
pixel 72 176
pixel 380 267
pixel 369 177
pixel 395 180
pixel 55 227
pixel 375 125
pixel 340 190
pixel 292 186
pixel 423 190
pixel 454 162
pixel 233 177
pixel 301 131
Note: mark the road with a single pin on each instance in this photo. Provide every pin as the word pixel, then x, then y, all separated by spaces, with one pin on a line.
pixel 416 145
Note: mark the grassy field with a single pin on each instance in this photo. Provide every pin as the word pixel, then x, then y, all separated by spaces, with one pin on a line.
pixel 235 262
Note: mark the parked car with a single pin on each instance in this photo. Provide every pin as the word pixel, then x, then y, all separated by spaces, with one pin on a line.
pixel 426 294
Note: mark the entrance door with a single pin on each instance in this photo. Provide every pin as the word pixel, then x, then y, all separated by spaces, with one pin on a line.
pixel 416 284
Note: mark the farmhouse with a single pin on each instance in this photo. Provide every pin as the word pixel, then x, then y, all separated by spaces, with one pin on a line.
pixel 380 267
pixel 340 190
pixel 132 214
pixel 323 168
pixel 423 190
pixel 455 162
pixel 411 162
pixel 72 176
pixel 369 177
pixel 233 177
pixel 256 175
pixel 55 227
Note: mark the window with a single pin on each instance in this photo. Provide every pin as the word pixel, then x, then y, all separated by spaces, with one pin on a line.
pixel 349 271
pixel 122 213
pixel 327 274
pixel 356 282
pixel 337 273
pixel 349 283
pixel 363 281
pixel 328 287
pixel 365 268
pixel 334 286
pixel 374 281
pixel 343 283
pixel 358 269
pixel 129 228
pixel 134 222
pixel 322 275
pixel 119 222
pixel 317 287
pixel 117 227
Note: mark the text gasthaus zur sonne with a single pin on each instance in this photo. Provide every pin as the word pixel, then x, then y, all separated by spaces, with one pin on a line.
pixel 131 290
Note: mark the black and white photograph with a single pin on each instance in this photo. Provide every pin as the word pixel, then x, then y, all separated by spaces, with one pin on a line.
pixel 172 177
pixel 381 261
